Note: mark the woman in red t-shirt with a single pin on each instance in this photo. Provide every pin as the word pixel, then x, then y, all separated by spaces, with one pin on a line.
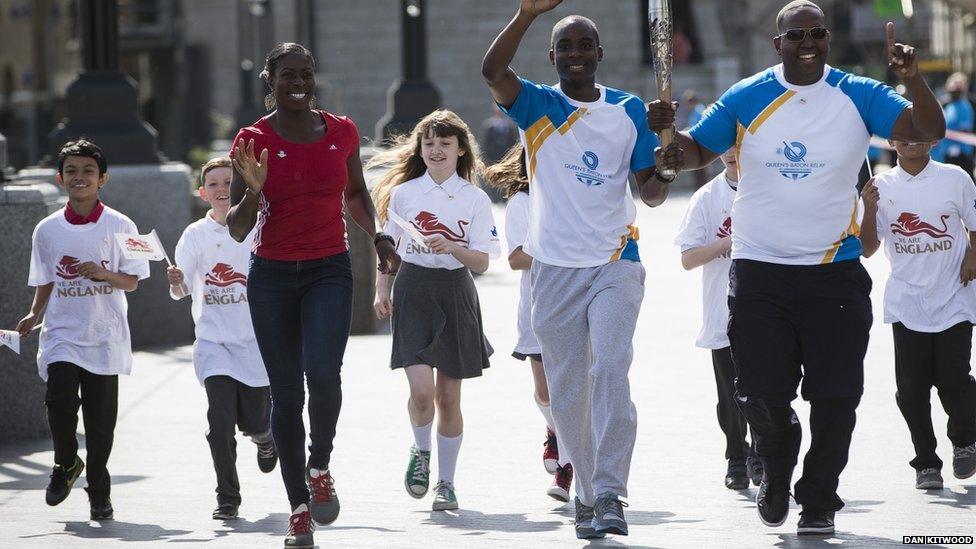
pixel 290 198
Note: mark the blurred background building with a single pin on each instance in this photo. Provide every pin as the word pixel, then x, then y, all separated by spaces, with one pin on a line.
pixel 197 62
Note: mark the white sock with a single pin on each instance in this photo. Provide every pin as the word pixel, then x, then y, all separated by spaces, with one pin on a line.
pixel 421 436
pixel 447 455
pixel 546 413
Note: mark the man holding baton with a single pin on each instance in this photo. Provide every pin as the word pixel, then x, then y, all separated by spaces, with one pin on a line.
pixel 582 141
pixel 799 296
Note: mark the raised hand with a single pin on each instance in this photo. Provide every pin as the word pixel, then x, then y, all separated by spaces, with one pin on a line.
pixel 901 57
pixel 671 157
pixel 26 324
pixel 660 115
pixel 254 171
pixel 536 7
pixel 870 196
pixel 174 275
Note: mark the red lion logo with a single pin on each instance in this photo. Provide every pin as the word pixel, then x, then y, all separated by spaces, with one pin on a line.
pixel 138 245
pixel 223 275
pixel 68 267
pixel 429 225
pixel 910 224
pixel 725 230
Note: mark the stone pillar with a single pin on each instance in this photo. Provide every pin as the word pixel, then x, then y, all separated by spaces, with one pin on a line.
pixel 22 411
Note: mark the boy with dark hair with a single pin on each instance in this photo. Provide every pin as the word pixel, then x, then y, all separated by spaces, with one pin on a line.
pixel 80 276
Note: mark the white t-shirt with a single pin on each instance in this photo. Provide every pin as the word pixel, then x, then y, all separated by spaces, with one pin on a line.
pixel 579 158
pixel 925 222
pixel 708 218
pixel 215 269
pixel 799 149
pixel 455 209
pixel 516 230
pixel 85 322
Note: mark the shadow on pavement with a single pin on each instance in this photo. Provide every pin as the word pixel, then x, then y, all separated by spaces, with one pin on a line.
pixel 477 521
pixel 962 500
pixel 612 542
pixel 113 529
pixel 855 506
pixel 14 464
pixel 839 539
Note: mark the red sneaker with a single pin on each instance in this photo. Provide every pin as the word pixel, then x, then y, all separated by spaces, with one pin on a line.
pixel 300 528
pixel 323 502
pixel 550 452
pixel 560 485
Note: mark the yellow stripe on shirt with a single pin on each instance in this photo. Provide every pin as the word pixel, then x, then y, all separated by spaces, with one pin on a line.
pixel 768 111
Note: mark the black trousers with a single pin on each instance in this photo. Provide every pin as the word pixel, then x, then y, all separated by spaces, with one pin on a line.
pixel 940 360
pixel 789 323
pixel 730 418
pixel 231 404
pixel 99 403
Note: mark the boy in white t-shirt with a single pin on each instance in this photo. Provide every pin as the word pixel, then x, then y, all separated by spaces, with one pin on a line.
pixel 212 267
pixel 81 278
pixel 925 212
pixel 705 239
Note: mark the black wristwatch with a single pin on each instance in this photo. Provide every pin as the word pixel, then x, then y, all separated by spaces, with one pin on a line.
pixel 381 237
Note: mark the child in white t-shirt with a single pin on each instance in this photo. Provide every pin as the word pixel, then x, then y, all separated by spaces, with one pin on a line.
pixel 81 277
pixel 925 212
pixel 510 177
pixel 213 267
pixel 450 231
pixel 705 239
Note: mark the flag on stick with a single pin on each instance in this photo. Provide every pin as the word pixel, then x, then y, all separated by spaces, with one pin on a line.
pixel 142 246
pixel 416 235
pixel 10 338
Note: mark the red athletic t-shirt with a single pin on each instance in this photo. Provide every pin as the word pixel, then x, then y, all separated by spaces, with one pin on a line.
pixel 300 215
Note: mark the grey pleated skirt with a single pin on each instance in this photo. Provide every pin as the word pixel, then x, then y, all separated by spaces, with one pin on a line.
pixel 437 321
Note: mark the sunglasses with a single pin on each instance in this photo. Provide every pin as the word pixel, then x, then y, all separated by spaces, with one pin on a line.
pixel 797 35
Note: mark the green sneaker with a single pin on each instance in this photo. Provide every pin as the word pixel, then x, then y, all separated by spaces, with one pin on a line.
pixel 62 479
pixel 444 498
pixel 417 479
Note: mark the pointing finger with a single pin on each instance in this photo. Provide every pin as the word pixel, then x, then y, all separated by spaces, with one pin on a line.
pixel 890 37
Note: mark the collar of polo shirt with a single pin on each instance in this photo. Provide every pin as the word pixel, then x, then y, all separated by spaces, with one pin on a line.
pixel 451 186
pixel 928 171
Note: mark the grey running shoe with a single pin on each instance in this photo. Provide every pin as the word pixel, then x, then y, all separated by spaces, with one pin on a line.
pixel 608 515
pixel 323 502
pixel 417 479
pixel 964 461
pixel 584 522
pixel 815 521
pixel 444 498
pixel 300 528
pixel 736 476
pixel 928 479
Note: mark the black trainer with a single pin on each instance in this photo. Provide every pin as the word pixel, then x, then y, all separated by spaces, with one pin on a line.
pixel 225 511
pixel 815 521
pixel 754 468
pixel 267 457
pixel 101 505
pixel 773 501
pixel 736 476
pixel 62 479
pixel 584 522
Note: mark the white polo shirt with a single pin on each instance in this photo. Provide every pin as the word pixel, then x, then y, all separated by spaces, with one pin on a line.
pixel 799 151
pixel 85 322
pixel 579 158
pixel 925 222
pixel 454 209
pixel 709 218
pixel 215 268
pixel 516 231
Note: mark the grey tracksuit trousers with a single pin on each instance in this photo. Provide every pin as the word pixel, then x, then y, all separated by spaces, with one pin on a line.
pixel 584 319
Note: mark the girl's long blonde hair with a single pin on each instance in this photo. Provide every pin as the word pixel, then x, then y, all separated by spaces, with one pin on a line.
pixel 403 161
pixel 509 175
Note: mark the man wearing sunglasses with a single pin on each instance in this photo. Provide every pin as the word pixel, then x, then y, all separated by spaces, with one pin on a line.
pixel 799 298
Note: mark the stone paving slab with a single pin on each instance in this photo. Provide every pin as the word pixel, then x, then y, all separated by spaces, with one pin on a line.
pixel 163 476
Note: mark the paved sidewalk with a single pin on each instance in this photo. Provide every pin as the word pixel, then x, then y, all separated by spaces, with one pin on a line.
pixel 163 477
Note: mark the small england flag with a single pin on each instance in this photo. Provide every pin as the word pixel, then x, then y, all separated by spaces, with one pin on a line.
pixel 11 339
pixel 139 246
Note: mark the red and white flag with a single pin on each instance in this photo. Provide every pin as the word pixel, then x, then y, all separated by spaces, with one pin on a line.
pixel 11 339
pixel 142 246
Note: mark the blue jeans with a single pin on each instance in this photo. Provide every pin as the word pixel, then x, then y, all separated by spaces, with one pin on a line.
pixel 301 311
